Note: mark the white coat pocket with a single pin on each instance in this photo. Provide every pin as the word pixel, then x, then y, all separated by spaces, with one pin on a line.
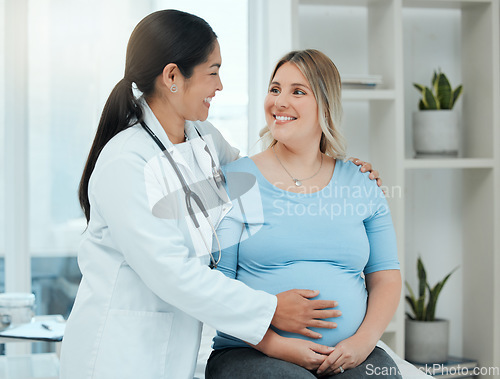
pixel 133 345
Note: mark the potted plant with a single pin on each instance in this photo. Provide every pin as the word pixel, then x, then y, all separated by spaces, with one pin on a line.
pixel 426 338
pixel 436 124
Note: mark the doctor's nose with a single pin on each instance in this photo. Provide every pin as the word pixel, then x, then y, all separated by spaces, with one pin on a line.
pixel 219 85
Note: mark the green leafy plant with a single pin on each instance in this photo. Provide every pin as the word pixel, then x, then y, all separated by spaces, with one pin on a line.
pixel 421 310
pixel 441 96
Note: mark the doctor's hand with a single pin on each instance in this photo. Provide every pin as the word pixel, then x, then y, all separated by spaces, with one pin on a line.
pixel 295 312
pixel 366 166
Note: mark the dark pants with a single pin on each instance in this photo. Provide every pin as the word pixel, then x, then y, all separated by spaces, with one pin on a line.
pixel 248 363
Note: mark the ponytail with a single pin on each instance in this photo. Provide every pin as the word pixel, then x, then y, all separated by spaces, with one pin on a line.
pixel 120 112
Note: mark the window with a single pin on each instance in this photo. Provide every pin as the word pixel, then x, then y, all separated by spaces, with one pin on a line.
pixel 2 142
pixel 76 57
pixel 2 156
pixel 229 112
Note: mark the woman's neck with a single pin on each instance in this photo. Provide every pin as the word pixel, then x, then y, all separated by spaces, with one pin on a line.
pixel 170 121
pixel 304 159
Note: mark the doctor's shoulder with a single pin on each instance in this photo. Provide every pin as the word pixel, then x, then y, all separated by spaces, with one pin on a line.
pixel 130 145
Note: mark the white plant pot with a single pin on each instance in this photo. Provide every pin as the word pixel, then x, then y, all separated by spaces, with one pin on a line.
pixel 426 341
pixel 436 133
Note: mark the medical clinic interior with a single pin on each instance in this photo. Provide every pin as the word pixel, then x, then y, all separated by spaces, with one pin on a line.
pixel 397 59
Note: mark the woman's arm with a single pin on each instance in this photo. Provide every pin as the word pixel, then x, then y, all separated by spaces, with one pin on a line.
pixel 384 289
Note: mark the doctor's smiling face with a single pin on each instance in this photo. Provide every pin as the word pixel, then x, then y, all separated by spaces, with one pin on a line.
pixel 290 107
pixel 198 91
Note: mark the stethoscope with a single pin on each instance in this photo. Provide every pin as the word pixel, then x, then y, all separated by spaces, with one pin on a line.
pixel 190 195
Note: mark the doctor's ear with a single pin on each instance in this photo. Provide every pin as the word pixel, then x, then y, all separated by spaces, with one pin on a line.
pixel 170 76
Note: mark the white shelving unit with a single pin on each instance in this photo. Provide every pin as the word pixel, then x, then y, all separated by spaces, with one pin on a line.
pixel 367 37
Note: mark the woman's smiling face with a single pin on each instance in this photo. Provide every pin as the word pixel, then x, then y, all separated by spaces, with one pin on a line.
pixel 291 108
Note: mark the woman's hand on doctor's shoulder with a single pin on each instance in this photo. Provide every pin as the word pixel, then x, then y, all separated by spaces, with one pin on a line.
pixel 296 313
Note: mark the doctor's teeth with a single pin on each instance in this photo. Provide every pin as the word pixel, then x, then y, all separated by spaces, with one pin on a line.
pixel 284 118
pixel 207 100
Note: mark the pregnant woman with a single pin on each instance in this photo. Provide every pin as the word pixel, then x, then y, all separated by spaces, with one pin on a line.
pixel 302 217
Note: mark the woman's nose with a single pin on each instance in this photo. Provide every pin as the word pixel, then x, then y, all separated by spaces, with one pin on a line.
pixel 220 86
pixel 280 101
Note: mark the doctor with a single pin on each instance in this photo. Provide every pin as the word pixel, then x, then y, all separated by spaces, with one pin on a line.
pixel 152 196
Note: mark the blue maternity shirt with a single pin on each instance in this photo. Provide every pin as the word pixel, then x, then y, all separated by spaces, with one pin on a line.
pixel 274 240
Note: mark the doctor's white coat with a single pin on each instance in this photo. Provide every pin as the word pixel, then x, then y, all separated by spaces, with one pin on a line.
pixel 146 281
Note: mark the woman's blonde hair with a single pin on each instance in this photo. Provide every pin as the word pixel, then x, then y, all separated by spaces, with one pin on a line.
pixel 324 79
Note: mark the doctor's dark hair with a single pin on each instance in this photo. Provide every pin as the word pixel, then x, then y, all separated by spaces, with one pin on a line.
pixel 163 37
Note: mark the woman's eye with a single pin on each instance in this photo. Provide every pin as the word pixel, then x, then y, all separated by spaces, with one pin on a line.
pixel 299 92
pixel 274 90
pixel 214 73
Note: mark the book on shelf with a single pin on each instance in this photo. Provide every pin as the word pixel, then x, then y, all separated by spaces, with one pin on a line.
pixel 360 81
pixel 454 367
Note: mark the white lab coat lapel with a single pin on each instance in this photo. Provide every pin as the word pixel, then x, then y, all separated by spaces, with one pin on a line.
pixel 204 160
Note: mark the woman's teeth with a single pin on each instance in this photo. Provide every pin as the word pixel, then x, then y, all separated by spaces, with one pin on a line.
pixel 284 118
pixel 207 100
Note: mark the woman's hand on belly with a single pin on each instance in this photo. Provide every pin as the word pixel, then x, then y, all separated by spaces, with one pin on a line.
pixel 348 353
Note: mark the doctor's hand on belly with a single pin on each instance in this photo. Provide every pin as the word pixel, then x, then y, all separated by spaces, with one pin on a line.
pixel 296 313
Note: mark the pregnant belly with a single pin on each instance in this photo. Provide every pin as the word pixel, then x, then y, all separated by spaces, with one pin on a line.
pixel 333 282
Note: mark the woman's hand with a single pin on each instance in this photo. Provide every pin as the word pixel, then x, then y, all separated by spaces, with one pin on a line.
pixel 366 166
pixel 348 353
pixel 295 312
pixel 304 353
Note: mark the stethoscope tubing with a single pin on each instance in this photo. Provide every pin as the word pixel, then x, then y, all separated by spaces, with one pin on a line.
pixel 188 192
